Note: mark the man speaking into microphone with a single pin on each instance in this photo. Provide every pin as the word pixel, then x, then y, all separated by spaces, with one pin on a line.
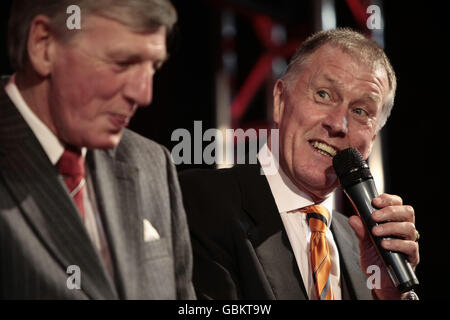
pixel 260 233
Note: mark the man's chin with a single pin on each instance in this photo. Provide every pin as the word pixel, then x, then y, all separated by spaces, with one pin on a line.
pixel 317 186
pixel 109 142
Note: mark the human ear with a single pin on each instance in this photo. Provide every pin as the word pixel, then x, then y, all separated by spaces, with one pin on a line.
pixel 39 44
pixel 278 101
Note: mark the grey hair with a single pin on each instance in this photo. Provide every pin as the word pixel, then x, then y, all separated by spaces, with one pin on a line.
pixel 138 15
pixel 353 43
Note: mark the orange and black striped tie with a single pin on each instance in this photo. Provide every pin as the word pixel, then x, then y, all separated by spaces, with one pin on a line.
pixel 318 217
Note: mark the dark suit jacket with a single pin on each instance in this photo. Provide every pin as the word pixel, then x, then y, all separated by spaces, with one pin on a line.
pixel 241 249
pixel 41 232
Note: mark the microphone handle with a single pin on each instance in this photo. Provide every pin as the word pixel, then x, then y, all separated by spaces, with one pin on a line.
pixel 361 195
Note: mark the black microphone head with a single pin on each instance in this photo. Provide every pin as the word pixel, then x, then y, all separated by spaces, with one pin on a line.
pixel 350 167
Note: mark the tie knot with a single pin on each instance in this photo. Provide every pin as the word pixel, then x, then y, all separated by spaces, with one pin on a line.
pixel 71 163
pixel 317 216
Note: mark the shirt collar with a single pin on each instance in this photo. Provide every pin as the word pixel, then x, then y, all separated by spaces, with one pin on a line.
pixel 288 197
pixel 49 142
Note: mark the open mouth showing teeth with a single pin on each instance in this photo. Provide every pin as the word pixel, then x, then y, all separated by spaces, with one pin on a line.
pixel 323 148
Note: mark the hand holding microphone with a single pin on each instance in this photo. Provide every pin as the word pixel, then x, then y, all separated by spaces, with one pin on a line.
pixel 384 226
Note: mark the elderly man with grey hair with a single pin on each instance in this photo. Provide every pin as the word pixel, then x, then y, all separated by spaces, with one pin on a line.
pixel 275 235
pixel 88 209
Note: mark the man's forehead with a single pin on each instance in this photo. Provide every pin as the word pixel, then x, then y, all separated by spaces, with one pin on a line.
pixel 328 56
pixel 331 64
pixel 106 26
pixel 154 47
pixel 121 40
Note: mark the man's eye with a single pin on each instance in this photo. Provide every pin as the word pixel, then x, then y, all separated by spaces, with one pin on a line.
pixel 361 112
pixel 123 64
pixel 323 95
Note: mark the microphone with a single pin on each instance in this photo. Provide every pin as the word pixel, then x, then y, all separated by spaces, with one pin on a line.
pixel 357 181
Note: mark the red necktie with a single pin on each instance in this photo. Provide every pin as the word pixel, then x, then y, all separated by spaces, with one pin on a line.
pixel 71 167
pixel 318 218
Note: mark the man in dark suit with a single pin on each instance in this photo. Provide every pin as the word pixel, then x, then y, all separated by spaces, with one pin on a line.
pixel 251 225
pixel 88 209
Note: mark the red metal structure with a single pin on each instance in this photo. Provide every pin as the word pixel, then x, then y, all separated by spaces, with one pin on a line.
pixel 263 25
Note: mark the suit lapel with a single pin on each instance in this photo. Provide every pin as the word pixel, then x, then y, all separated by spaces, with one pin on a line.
pixel 268 235
pixel 353 281
pixel 117 207
pixel 34 183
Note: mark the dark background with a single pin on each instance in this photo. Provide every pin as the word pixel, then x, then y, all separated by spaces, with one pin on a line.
pixel 415 137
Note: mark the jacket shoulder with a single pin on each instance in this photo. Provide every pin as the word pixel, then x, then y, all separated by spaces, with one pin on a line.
pixel 212 200
pixel 203 177
pixel 209 187
pixel 137 149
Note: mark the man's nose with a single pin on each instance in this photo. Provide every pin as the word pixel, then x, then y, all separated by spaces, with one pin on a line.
pixel 336 122
pixel 139 87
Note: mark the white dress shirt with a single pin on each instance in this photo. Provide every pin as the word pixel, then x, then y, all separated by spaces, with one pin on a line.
pixel 289 199
pixel 54 150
